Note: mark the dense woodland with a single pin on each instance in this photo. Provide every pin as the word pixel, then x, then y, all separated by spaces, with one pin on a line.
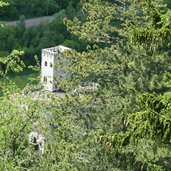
pixel 35 8
pixel 32 40
pixel 122 125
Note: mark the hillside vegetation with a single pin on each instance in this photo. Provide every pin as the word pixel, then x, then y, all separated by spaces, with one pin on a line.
pixel 123 123
pixel 32 8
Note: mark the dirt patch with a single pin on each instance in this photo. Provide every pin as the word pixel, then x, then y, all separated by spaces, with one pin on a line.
pixel 32 22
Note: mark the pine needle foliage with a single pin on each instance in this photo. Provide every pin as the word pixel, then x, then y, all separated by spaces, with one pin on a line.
pixel 123 123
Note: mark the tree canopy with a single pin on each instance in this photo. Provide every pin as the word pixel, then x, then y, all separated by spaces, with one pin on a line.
pixel 123 121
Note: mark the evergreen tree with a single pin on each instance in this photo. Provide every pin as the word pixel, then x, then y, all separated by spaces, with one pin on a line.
pixel 129 58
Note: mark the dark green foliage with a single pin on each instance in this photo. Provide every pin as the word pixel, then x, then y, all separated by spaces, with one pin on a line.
pixel 33 39
pixel 32 8
pixel 148 129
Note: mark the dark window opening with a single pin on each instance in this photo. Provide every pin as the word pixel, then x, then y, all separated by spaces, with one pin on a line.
pixel 45 63
pixel 45 79
pixel 56 86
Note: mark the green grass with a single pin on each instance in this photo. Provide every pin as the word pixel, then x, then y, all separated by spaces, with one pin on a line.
pixel 22 79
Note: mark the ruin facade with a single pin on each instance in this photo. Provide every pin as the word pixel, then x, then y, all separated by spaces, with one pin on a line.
pixel 50 72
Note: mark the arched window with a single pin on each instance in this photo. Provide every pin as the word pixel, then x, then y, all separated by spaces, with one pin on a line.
pixel 45 63
pixel 56 86
pixel 51 65
pixel 45 79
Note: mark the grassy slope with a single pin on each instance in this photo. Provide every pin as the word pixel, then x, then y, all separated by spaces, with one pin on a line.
pixel 22 79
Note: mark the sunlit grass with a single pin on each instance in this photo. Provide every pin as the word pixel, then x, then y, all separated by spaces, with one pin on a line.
pixel 22 79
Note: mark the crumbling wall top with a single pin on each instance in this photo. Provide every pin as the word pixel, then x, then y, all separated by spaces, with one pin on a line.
pixel 56 50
